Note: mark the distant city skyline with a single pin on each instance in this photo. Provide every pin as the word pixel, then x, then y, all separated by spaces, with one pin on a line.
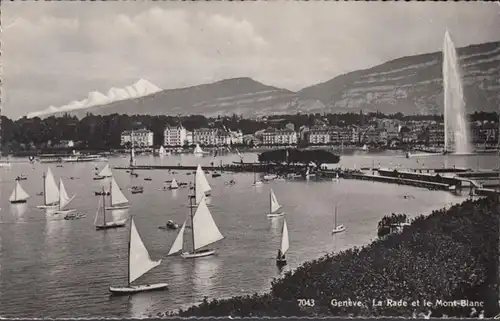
pixel 56 52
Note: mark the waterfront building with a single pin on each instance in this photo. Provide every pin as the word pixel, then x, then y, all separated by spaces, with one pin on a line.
pixel 205 136
pixel 484 133
pixel 436 134
pixel 222 138
pixel 272 136
pixel 320 136
pixel 174 136
pixel 139 138
pixel 236 137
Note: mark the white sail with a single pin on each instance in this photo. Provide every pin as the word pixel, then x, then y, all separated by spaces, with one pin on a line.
pixel 174 184
pixel 179 241
pixel 201 180
pixel 284 238
pixel 139 260
pixel 117 196
pixel 18 194
pixel 199 192
pixel 162 150
pixel 64 199
pixel 106 171
pixel 198 149
pixel 275 206
pixel 307 172
pixel 51 192
pixel 205 230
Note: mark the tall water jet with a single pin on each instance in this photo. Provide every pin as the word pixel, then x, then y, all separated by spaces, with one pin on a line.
pixel 456 129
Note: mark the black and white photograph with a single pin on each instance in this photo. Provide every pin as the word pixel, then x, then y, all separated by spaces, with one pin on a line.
pixel 249 159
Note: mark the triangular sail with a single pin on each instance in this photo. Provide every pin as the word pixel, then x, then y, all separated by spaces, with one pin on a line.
pixel 139 260
pixel 162 150
pixel 198 149
pixel 174 184
pixel 275 206
pixel 64 199
pixel 179 241
pixel 205 230
pixel 284 238
pixel 106 171
pixel 117 196
pixel 18 194
pixel 51 193
pixel 201 180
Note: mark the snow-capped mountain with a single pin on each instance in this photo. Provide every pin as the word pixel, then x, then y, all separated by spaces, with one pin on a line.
pixel 139 89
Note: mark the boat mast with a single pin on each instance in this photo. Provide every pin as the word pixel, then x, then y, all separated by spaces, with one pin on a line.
pixel 271 202
pixel 104 205
pixel 44 177
pixel 110 192
pixel 192 221
pixel 128 259
pixel 335 217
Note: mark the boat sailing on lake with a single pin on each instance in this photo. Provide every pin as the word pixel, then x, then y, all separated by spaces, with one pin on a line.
pixel 204 232
pixel 105 224
pixel 50 191
pixel 104 173
pixel 18 195
pixel 116 198
pixel 285 244
pixel 274 206
pixel 139 263
pixel 64 200
pixel 337 228
pixel 201 186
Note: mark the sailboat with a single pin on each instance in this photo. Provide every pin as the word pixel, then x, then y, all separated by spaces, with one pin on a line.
pixel 285 244
pixel 105 172
pixel 50 191
pixel 18 195
pixel 173 184
pixel 336 178
pixel 274 206
pixel 198 151
pixel 64 199
pixel 161 151
pixel 202 182
pixel 139 263
pixel 337 228
pixel 204 231
pixel 308 174
pixel 255 181
pixel 117 199
pixel 105 224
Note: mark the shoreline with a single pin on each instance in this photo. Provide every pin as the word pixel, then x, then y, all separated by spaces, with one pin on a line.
pixel 281 300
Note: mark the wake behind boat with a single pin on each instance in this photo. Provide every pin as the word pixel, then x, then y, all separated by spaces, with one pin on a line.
pixel 139 263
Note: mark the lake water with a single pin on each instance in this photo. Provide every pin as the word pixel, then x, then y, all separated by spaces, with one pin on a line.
pixel 50 267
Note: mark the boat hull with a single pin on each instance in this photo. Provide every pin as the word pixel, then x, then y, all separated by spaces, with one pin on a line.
pixel 121 207
pixel 64 211
pixel 110 225
pixel 281 263
pixel 18 202
pixel 187 255
pixel 47 206
pixel 335 231
pixel 137 288
pixel 271 215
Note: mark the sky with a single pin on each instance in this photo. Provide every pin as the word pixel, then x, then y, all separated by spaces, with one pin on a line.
pixel 55 52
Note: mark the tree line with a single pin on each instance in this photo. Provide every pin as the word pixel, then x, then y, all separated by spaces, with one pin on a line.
pixel 103 132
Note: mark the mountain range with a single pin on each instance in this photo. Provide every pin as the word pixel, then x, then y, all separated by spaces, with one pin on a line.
pixel 411 85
